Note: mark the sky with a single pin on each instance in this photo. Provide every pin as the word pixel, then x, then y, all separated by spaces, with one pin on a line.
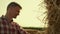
pixel 30 16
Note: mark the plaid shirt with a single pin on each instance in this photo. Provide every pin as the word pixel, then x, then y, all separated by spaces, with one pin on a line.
pixel 10 28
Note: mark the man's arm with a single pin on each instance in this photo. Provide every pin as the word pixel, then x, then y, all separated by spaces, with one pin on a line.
pixel 20 29
pixel 23 31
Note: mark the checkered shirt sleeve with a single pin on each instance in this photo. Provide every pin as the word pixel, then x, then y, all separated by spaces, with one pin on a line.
pixel 6 28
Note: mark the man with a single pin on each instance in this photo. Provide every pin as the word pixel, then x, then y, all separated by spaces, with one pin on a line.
pixel 7 26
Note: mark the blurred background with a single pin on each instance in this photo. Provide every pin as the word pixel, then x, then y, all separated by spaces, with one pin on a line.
pixel 32 14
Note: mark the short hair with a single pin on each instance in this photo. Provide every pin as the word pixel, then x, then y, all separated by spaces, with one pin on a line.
pixel 14 4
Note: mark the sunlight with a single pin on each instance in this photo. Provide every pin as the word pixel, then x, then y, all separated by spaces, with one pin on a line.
pixel 29 12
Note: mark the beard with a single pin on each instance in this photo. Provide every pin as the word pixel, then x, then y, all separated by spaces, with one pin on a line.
pixel 15 17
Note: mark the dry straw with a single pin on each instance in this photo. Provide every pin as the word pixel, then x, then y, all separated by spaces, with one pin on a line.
pixel 53 16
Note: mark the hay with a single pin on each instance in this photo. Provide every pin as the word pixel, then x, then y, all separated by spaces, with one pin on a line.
pixel 53 16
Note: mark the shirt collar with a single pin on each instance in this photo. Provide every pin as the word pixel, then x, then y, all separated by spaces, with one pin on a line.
pixel 5 18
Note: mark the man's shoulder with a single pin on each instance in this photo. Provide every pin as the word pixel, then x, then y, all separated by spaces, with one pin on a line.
pixel 16 24
pixel 0 19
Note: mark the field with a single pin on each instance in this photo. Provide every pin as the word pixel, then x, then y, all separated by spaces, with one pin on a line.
pixel 34 30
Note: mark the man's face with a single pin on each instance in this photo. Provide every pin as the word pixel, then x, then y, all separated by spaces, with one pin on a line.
pixel 14 11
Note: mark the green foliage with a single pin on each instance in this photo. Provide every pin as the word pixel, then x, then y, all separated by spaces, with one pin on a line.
pixel 35 28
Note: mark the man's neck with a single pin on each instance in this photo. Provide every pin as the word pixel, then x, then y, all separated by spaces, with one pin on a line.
pixel 8 17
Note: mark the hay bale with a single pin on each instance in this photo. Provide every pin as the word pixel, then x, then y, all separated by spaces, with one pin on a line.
pixel 53 16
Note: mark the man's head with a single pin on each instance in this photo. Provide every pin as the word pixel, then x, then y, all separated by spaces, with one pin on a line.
pixel 13 9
